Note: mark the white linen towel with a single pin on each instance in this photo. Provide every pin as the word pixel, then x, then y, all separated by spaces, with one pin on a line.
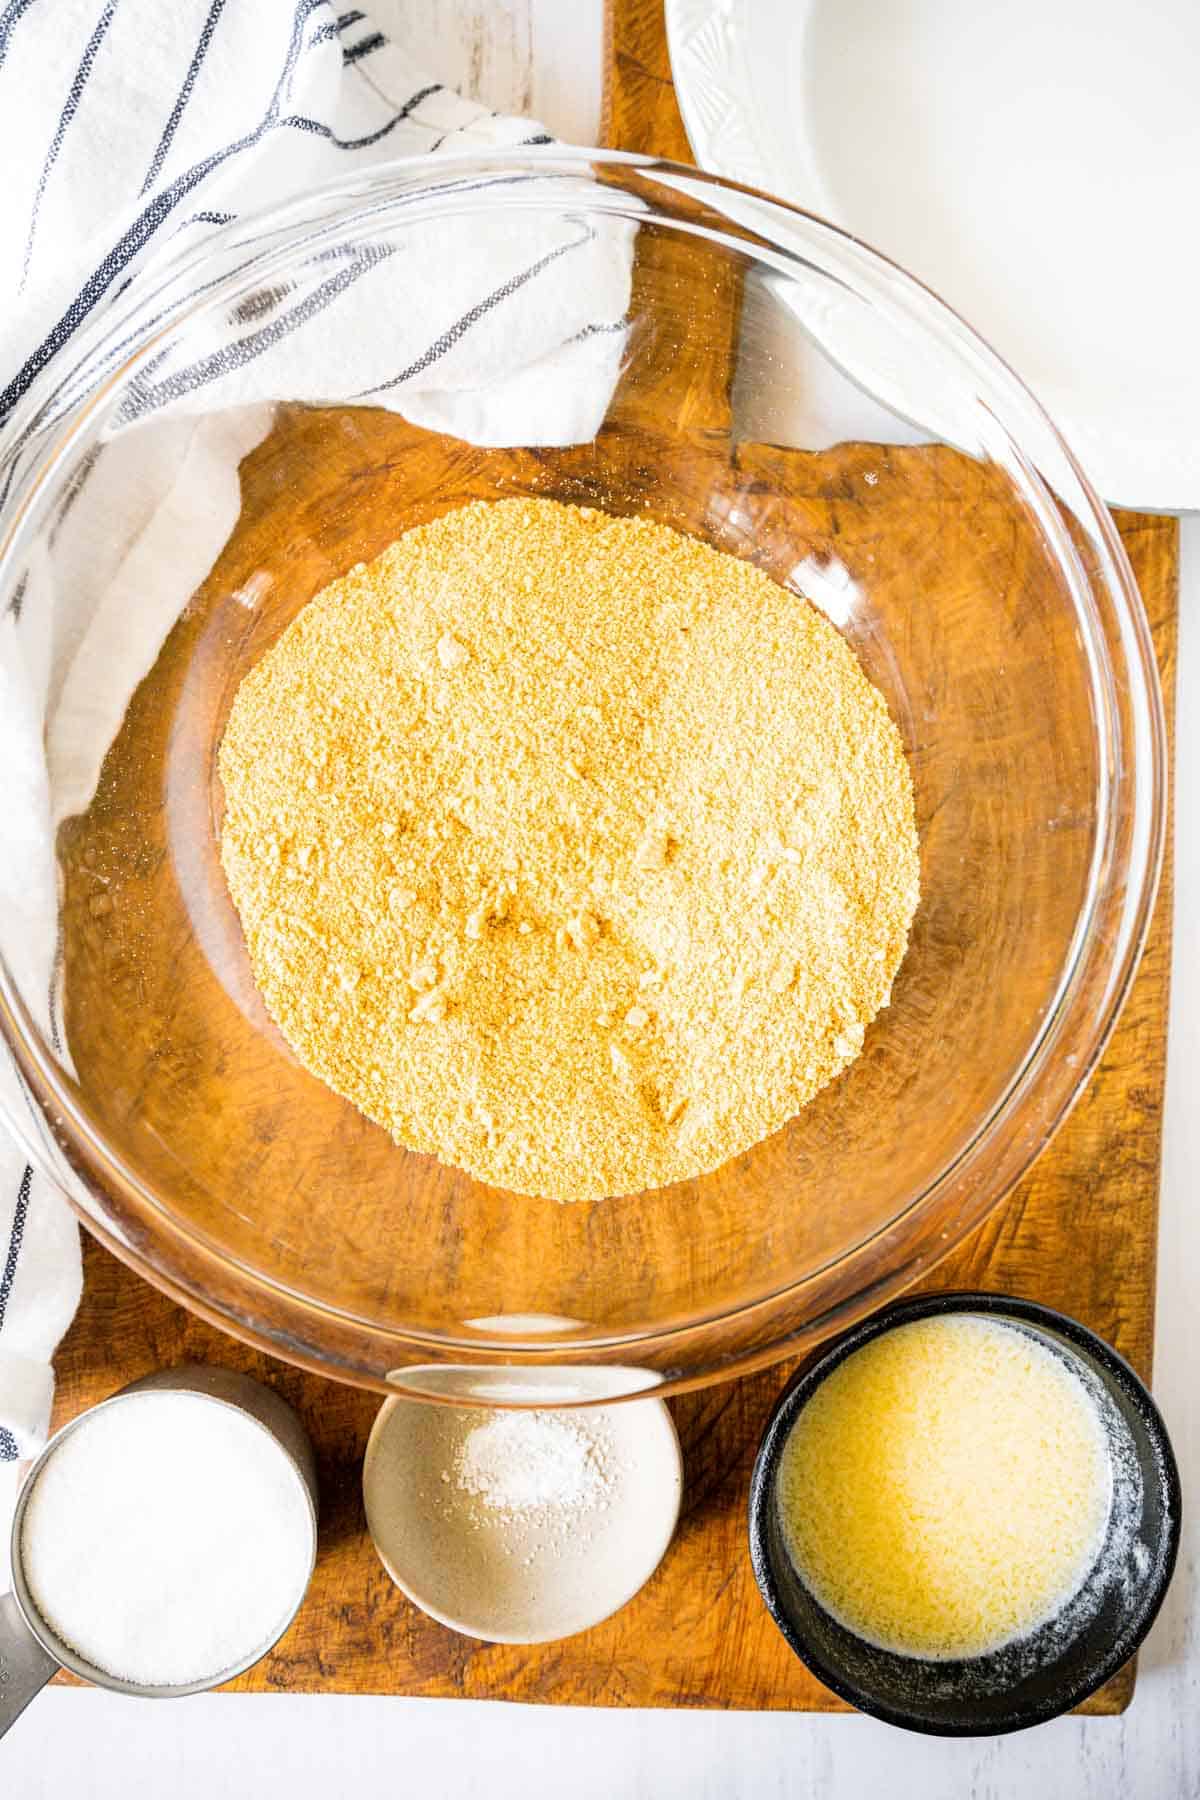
pixel 130 129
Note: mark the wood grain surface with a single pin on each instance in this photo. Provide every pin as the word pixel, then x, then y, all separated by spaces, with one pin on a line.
pixel 1078 1233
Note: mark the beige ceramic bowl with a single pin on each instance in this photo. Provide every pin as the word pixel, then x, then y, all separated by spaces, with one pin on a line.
pixel 524 1578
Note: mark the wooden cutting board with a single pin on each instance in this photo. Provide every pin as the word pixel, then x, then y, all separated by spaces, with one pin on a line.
pixel 1078 1233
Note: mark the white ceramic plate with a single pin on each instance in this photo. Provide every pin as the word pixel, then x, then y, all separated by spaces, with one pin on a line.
pixel 1036 162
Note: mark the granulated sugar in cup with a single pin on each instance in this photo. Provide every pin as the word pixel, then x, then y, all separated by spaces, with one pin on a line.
pixel 163 1541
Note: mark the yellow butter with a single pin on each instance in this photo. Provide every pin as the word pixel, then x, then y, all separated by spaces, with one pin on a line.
pixel 947 1488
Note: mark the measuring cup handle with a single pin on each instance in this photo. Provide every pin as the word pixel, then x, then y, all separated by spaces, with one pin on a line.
pixel 25 1667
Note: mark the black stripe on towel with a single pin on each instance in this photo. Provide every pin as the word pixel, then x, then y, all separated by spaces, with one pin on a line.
pixel 335 28
pixel 63 392
pixel 74 96
pixel 299 122
pixel 184 94
pixel 15 1236
pixel 8 19
pixel 147 223
pixel 10 479
pixel 56 1042
pixel 599 330
pixel 450 337
pixel 75 487
pixel 366 47
pixel 63 396
pixel 145 399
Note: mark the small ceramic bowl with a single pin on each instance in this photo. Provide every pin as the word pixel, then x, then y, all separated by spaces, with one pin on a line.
pixel 1036 1677
pixel 533 1576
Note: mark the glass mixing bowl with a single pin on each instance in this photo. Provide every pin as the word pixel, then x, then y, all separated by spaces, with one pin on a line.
pixel 174 491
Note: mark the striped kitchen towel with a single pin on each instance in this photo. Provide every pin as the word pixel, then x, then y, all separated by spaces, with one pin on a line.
pixel 130 131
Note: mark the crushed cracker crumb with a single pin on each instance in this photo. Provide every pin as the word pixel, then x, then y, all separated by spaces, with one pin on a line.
pixel 746 823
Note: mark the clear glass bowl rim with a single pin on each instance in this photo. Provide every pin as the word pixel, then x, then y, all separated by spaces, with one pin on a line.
pixel 1072 1020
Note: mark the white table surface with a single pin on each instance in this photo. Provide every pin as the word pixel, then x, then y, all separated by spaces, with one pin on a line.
pixel 543 57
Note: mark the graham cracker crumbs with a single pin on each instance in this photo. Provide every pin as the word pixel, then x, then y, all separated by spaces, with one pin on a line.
pixel 570 850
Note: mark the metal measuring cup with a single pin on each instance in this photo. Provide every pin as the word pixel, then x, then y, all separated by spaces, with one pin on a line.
pixel 30 1651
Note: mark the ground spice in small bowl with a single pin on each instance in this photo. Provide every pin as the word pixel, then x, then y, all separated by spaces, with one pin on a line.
pixel 523 1462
